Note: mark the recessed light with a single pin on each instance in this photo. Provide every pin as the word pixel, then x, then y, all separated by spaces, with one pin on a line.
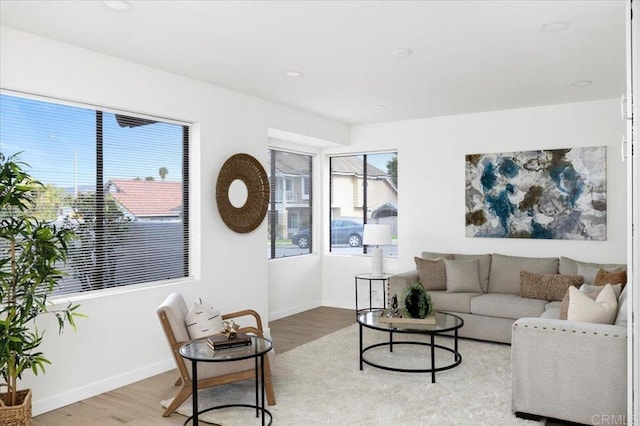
pixel 293 74
pixel 379 107
pixel 555 27
pixel 118 5
pixel 401 53
pixel 580 83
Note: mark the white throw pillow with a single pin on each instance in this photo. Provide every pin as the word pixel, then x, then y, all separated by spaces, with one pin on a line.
pixel 202 320
pixel 601 311
pixel 621 318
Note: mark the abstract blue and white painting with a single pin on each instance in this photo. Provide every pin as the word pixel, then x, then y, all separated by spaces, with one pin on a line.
pixel 546 194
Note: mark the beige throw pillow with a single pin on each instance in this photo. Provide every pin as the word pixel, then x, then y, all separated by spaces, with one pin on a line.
pixel 603 310
pixel 462 276
pixel 551 287
pixel 431 273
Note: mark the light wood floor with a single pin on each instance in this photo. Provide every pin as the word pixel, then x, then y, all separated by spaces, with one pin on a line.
pixel 139 403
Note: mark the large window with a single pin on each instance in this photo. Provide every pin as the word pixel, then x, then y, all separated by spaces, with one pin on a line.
pixel 290 208
pixel 121 182
pixel 363 189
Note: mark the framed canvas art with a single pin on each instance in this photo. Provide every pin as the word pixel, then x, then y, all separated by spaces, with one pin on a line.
pixel 544 194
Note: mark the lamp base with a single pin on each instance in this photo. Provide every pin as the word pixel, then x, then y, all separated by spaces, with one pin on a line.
pixel 376 262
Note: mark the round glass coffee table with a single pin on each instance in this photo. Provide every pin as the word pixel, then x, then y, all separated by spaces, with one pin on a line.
pixel 199 351
pixel 444 323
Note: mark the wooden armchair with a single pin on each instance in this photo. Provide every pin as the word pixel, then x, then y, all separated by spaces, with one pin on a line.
pixel 172 313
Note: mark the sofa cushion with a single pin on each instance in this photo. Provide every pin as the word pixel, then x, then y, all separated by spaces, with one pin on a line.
pixel 431 273
pixel 547 286
pixel 569 266
pixel 462 276
pixel 603 310
pixel 505 271
pixel 551 310
pixel 484 264
pixel 507 306
pixel 452 302
pixel 605 277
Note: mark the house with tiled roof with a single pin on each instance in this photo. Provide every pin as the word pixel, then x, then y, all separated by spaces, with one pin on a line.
pixel 146 200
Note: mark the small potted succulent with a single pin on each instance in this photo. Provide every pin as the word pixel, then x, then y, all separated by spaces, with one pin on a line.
pixel 417 302
pixel 31 253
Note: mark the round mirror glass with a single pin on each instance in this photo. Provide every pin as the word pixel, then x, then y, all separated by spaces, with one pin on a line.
pixel 238 193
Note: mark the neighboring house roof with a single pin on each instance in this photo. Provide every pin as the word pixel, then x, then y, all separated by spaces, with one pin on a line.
pixel 292 164
pixel 147 198
pixel 353 165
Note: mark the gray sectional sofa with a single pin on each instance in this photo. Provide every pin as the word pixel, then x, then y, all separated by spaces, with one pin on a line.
pixel 568 370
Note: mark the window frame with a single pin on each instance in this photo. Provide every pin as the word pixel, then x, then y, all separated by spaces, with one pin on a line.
pixel 186 185
pixel 362 193
pixel 276 180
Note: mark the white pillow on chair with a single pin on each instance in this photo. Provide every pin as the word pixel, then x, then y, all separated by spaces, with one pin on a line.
pixel 202 320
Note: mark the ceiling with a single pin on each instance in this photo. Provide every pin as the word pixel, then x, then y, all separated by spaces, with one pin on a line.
pixel 467 56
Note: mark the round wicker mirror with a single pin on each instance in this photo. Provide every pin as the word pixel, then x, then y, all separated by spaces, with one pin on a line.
pixel 247 169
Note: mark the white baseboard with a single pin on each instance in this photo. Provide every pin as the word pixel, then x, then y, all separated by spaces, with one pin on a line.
pixel 292 311
pixel 52 403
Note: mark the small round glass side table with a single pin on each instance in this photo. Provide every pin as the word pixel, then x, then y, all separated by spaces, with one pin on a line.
pixel 372 278
pixel 199 351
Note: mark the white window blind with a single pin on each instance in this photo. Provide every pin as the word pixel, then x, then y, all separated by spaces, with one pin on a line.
pixel 119 181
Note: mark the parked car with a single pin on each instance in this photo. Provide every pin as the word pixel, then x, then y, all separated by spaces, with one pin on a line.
pixel 343 231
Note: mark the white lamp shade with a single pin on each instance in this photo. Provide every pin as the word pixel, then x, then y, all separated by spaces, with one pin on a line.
pixel 376 234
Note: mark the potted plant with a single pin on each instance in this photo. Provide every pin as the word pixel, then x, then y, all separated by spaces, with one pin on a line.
pixel 31 253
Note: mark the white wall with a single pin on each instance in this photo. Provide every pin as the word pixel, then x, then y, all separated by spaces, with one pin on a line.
pixel 295 282
pixel 121 340
pixel 431 175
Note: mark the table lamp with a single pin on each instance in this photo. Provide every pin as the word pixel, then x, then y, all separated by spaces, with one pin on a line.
pixel 376 235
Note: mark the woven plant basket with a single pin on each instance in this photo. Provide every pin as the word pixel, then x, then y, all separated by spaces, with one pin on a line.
pixel 19 414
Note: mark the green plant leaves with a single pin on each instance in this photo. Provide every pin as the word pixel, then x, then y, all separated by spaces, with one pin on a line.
pixel 29 252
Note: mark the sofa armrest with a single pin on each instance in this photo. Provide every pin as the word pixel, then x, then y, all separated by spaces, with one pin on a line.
pixel 568 370
pixel 397 283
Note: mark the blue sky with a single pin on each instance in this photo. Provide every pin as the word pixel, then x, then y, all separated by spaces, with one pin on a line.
pixel 50 136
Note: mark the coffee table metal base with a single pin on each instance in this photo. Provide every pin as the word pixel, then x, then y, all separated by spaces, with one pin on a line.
pixel 457 358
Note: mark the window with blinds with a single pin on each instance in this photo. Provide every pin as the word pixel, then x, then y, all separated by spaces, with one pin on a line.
pixel 119 181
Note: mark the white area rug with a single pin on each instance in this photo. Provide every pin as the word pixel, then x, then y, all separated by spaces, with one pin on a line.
pixel 320 383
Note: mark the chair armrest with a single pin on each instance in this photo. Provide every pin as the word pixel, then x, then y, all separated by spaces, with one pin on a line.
pixel 244 313
pixel 558 365
pixel 399 282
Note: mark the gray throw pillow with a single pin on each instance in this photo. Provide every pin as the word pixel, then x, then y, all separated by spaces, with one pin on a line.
pixel 462 276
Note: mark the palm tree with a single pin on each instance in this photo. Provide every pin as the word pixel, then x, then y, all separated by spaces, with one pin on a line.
pixel 163 172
